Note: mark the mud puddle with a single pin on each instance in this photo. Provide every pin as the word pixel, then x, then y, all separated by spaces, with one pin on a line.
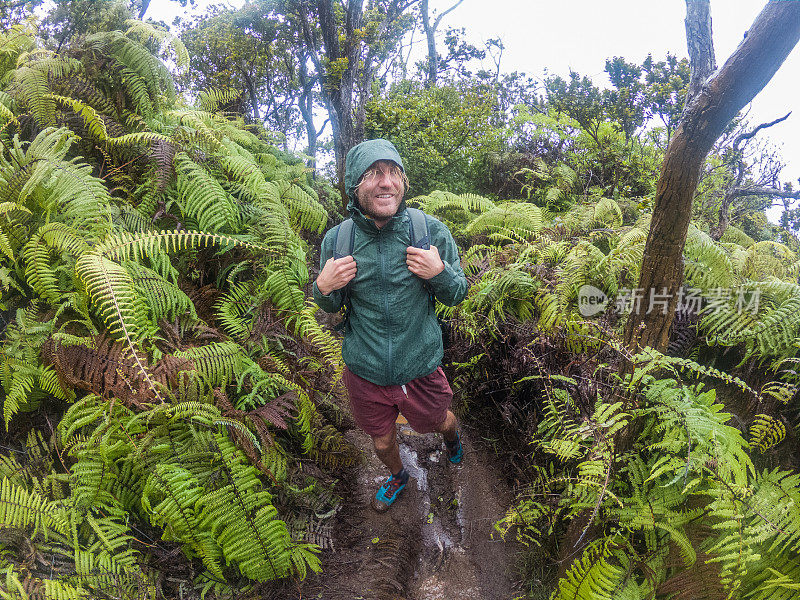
pixel 435 543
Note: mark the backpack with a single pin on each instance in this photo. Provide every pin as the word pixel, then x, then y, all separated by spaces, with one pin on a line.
pixel 418 232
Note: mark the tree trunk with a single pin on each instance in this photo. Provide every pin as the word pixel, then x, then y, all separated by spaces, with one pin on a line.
pixel 433 58
pixel 306 105
pixel 700 42
pixel 143 8
pixel 772 36
pixel 248 81
pixel 340 94
pixel 430 35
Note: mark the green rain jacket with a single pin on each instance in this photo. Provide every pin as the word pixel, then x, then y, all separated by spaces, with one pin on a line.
pixel 392 335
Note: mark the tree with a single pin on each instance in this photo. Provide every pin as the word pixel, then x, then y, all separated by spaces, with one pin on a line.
pixel 709 110
pixel 666 86
pixel 754 174
pixel 141 6
pixel 14 11
pixel 579 98
pixel 73 18
pixel 347 44
pixel 430 37
pixel 442 133
pixel 237 49
pixel 625 103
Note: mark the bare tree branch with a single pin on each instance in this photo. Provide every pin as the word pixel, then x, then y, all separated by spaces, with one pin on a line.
pixel 751 134
pixel 763 191
pixel 430 33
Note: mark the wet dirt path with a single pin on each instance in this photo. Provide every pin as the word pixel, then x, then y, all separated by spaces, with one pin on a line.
pixel 435 543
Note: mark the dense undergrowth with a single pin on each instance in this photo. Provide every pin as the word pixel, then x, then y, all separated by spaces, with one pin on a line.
pixel 169 429
pixel 676 480
pixel 162 369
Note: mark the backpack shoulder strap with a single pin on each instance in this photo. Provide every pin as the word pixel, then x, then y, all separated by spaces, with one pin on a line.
pixel 345 238
pixel 418 229
pixel 343 246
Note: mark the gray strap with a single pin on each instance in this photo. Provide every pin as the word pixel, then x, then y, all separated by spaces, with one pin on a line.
pixel 418 228
pixel 345 238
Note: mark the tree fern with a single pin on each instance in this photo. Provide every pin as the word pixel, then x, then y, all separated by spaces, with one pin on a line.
pixel 203 199
pixel 29 82
pixel 520 217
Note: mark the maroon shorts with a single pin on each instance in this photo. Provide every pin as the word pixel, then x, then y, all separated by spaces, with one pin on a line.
pixel 423 402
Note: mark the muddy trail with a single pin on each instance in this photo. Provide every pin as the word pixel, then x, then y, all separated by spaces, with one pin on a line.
pixel 435 543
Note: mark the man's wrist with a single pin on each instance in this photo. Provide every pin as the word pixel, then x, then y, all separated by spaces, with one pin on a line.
pixel 323 288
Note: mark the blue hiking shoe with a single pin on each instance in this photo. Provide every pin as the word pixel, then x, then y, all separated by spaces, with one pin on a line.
pixel 389 491
pixel 455 451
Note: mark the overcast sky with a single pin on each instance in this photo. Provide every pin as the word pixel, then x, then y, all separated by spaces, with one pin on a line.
pixel 581 34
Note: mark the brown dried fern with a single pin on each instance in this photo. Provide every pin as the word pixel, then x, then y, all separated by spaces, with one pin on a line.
pixel 105 367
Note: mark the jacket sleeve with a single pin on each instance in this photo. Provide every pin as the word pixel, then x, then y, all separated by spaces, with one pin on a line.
pixel 333 301
pixel 450 286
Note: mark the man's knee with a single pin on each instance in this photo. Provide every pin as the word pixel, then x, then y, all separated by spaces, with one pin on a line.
pixel 449 423
pixel 384 443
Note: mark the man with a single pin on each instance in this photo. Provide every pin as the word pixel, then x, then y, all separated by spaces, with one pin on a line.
pixel 393 344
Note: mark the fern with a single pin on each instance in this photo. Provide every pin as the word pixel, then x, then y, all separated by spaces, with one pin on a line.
pixel 211 100
pixel 596 575
pixel 522 218
pixel 766 432
pixel 147 31
pixel 29 83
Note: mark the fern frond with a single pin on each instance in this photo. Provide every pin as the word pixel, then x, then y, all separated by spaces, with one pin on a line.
pixel 30 83
pixel 734 235
pixel 41 276
pixel 218 362
pixel 139 68
pixel 523 218
pixel 164 299
pixel 306 211
pixel 26 510
pixel 169 498
pixel 596 575
pixel 202 198
pixel 91 119
pixel 147 31
pixel 707 265
pixel 211 100
pixel 766 432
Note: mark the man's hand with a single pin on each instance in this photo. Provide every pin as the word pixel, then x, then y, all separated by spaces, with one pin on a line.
pixel 424 263
pixel 336 274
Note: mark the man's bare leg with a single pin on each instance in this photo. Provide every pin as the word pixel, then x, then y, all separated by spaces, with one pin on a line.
pixel 388 451
pixel 449 427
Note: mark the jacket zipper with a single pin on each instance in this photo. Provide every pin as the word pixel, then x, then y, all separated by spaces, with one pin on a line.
pixel 385 309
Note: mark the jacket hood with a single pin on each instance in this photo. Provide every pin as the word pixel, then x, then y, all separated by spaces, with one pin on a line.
pixel 361 157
